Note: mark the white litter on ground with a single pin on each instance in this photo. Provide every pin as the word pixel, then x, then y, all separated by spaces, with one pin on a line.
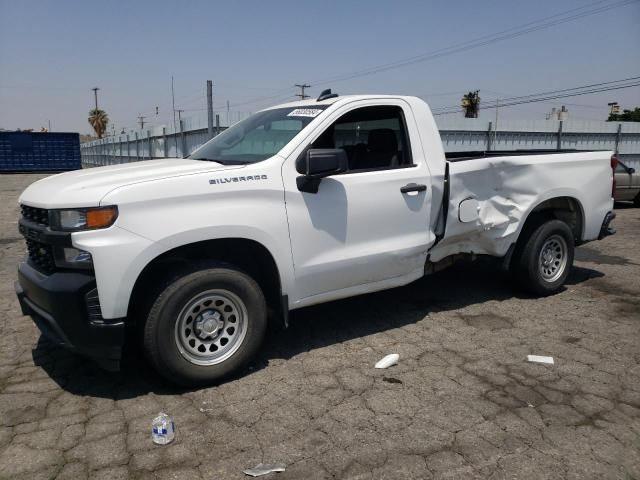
pixel 264 468
pixel 540 359
pixel 388 361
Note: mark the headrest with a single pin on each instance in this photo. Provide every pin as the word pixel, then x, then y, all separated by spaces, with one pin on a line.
pixel 382 140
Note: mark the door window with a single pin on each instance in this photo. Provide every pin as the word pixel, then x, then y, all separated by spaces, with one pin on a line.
pixel 372 137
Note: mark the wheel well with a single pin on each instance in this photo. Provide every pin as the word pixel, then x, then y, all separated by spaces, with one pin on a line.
pixel 247 255
pixel 567 209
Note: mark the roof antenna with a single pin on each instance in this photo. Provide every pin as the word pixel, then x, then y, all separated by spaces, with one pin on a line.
pixel 326 94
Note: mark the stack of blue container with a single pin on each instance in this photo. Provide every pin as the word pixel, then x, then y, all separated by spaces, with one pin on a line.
pixel 31 151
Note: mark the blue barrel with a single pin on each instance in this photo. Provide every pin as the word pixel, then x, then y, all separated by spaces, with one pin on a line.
pixel 39 151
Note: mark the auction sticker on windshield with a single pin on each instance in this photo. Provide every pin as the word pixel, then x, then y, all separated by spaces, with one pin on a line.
pixel 305 112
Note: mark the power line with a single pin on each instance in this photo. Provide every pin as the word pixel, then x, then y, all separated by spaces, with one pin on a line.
pixel 553 92
pixel 571 89
pixel 553 95
pixel 484 40
pixel 513 32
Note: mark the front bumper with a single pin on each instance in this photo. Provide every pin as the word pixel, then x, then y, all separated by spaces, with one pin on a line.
pixel 63 306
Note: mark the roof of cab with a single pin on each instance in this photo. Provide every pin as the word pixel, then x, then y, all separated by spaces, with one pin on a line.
pixel 310 103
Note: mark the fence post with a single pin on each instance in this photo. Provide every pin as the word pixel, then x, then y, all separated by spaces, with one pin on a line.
pixel 489 136
pixel 618 138
pixel 149 139
pixel 559 146
pixel 217 123
pixel 183 139
pixel 164 142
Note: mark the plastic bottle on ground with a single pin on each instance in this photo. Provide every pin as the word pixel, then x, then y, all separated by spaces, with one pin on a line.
pixel 163 429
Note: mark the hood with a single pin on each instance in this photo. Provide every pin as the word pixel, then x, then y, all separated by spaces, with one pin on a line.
pixel 85 188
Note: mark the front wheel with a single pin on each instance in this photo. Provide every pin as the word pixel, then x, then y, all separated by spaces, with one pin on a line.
pixel 543 260
pixel 205 326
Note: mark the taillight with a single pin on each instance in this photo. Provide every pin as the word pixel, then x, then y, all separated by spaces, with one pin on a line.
pixel 614 164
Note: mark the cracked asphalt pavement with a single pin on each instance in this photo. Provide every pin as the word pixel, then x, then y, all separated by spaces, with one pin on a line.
pixel 463 402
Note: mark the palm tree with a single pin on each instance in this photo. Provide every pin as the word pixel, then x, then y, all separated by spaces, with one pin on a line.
pixel 471 104
pixel 98 119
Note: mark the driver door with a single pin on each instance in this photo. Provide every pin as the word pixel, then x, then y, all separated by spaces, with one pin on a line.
pixel 363 230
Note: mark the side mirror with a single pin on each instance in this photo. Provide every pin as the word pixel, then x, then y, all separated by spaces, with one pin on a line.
pixel 318 163
pixel 632 170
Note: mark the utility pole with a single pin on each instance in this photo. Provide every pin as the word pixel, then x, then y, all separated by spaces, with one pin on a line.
pixel 495 131
pixel 179 115
pixel 302 88
pixel 228 113
pixel 173 106
pixel 141 121
pixel 210 108
pixel 95 93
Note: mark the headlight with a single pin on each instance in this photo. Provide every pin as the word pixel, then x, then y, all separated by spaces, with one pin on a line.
pixel 77 219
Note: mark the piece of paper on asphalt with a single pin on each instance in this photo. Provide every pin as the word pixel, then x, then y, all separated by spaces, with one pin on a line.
pixel 264 468
pixel 388 361
pixel 540 359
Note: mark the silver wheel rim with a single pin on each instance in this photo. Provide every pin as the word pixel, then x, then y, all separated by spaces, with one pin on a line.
pixel 211 327
pixel 553 258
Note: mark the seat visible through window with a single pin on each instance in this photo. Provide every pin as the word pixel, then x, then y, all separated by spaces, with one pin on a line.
pixel 372 137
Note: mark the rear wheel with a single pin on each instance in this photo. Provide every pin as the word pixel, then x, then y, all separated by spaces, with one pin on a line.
pixel 205 325
pixel 543 260
pixel 636 201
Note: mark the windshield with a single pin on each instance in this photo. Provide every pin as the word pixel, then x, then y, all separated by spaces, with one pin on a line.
pixel 258 137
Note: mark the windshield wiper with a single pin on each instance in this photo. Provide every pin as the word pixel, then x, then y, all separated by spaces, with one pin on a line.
pixel 223 162
pixel 208 160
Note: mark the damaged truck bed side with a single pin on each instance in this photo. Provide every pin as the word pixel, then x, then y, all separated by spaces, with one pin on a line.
pixel 299 204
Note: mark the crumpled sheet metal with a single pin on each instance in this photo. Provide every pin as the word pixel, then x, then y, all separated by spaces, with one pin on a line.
pixel 508 188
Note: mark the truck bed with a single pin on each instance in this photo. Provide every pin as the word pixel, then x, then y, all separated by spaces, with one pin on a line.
pixel 508 184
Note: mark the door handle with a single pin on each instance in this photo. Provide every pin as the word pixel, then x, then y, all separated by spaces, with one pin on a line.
pixel 413 187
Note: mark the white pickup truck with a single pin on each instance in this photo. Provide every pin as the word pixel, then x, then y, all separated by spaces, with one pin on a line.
pixel 299 204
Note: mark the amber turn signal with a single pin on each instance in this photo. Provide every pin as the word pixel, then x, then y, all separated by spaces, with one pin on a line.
pixel 101 217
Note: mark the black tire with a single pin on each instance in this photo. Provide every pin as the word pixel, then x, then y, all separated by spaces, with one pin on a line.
pixel 162 339
pixel 636 201
pixel 528 264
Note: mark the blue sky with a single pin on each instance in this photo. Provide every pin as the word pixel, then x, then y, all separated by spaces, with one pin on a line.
pixel 53 52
